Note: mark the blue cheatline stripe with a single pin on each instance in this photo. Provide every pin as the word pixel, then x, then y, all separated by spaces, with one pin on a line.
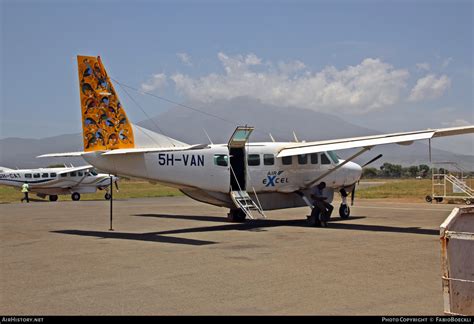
pixel 26 181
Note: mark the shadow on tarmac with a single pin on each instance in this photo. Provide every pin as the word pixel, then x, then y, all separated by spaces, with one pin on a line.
pixel 336 223
pixel 254 225
pixel 148 237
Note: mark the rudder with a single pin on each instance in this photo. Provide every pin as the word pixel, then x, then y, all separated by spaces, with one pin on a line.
pixel 105 125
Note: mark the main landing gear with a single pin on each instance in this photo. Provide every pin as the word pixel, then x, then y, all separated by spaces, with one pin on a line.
pixel 75 196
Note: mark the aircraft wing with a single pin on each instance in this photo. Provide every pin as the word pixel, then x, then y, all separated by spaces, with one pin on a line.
pixel 80 168
pixel 406 138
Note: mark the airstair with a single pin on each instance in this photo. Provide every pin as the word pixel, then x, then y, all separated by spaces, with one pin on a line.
pixel 239 176
pixel 450 181
pixel 243 201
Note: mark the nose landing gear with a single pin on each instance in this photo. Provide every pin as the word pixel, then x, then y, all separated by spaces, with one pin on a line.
pixel 344 210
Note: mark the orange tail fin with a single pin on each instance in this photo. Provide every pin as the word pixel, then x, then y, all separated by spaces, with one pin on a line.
pixel 105 125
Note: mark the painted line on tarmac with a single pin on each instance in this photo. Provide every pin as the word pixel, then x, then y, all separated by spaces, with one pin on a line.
pixel 406 208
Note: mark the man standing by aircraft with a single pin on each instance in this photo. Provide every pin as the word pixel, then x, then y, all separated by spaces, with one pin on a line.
pixel 322 209
pixel 25 188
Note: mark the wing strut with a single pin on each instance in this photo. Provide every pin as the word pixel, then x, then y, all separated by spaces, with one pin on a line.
pixel 349 159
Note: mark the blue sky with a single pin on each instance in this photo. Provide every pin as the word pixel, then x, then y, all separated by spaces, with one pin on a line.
pixel 321 55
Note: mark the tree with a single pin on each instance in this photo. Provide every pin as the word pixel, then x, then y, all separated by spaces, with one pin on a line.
pixel 369 173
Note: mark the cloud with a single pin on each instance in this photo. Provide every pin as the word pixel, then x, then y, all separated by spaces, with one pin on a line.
pixel 423 66
pixel 157 81
pixel 184 58
pixel 457 122
pixel 368 86
pixel 429 87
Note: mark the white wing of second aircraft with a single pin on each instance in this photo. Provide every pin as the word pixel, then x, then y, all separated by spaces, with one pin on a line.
pixel 406 138
pixel 79 168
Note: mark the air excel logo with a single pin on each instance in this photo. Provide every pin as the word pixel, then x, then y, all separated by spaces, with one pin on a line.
pixel 273 178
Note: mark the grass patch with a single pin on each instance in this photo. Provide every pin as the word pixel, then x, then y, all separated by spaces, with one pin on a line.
pixel 128 189
pixel 400 188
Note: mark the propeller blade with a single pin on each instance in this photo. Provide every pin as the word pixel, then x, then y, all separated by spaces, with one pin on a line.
pixel 353 195
pixel 117 186
pixel 373 160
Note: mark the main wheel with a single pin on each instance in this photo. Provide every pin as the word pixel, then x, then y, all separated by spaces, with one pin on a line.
pixel 344 211
pixel 439 199
pixel 75 196
pixel 236 215
pixel 53 197
pixel 428 199
pixel 468 201
pixel 107 196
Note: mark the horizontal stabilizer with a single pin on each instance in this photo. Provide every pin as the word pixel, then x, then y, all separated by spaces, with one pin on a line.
pixel 67 154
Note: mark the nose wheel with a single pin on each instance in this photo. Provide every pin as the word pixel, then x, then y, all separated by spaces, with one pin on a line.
pixel 344 211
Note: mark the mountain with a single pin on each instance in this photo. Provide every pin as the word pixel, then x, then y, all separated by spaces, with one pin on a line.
pixel 219 119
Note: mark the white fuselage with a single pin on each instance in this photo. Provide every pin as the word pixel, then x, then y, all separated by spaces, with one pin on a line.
pixel 55 181
pixel 200 171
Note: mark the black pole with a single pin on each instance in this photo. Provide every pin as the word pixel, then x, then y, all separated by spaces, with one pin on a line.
pixel 111 202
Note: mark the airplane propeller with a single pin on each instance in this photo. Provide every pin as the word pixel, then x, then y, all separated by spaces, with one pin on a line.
pixel 373 160
pixel 117 186
pixel 366 164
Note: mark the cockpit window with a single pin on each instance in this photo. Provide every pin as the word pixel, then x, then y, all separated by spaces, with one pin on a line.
pixel 333 156
pixel 325 159
pixel 93 172
pixel 52 175
pixel 220 159
pixel 314 158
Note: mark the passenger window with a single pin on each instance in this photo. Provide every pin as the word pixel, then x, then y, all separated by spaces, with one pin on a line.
pixel 314 158
pixel 253 159
pixel 36 175
pixel 220 159
pixel 28 175
pixel 287 160
pixel 53 175
pixel 73 174
pixel 79 173
pixel 303 159
pixel 324 159
pixel 268 159
pixel 63 175
pixel 44 175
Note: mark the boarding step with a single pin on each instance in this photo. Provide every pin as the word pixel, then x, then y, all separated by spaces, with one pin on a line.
pixel 243 201
pixel 460 184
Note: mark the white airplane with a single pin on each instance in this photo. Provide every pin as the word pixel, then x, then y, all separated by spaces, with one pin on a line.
pixel 247 178
pixel 58 181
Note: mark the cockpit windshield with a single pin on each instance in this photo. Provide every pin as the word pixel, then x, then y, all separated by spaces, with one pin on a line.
pixel 93 172
pixel 333 156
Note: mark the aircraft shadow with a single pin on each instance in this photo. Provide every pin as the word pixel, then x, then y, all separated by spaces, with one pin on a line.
pixel 260 225
pixel 148 237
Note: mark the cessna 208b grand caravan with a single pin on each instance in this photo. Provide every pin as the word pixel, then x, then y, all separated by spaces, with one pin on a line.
pixel 58 181
pixel 247 178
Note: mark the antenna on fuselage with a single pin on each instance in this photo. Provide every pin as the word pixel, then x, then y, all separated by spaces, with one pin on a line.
pixel 273 140
pixel 208 137
pixel 296 138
